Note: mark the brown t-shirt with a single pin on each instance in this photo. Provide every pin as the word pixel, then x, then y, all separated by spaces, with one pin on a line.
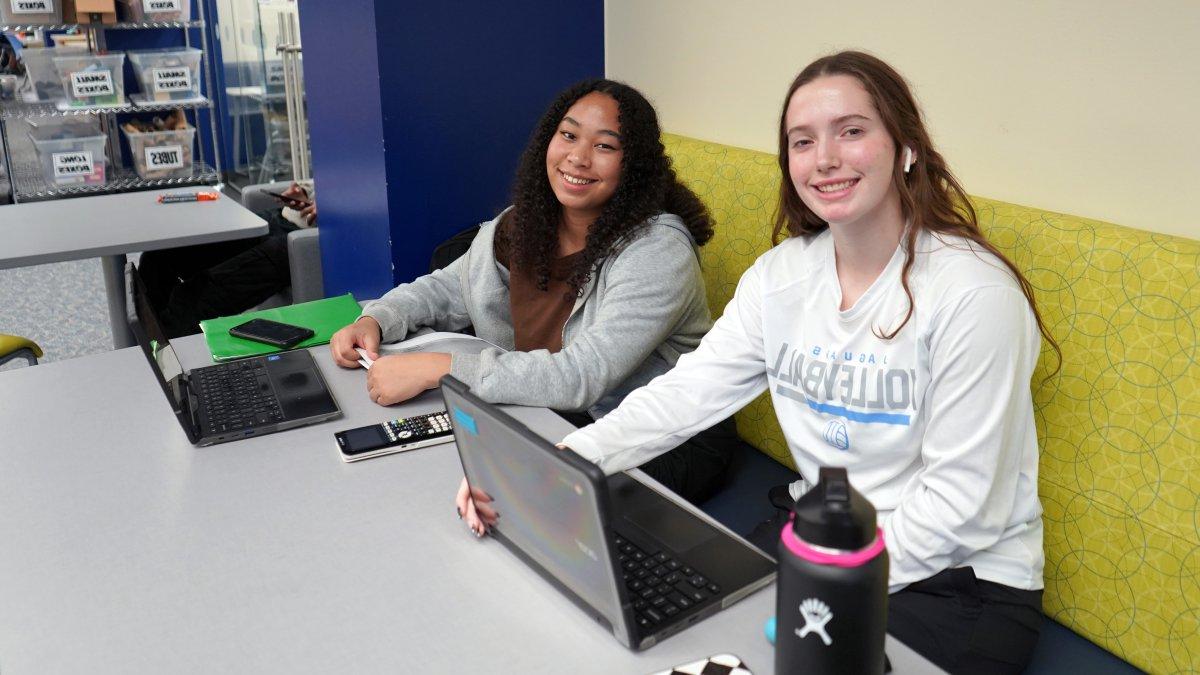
pixel 538 316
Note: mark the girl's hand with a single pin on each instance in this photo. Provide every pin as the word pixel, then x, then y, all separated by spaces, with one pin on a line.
pixel 309 213
pixel 399 377
pixel 365 333
pixel 475 507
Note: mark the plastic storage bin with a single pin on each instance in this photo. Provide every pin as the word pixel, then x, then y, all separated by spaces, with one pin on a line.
pixel 171 74
pixel 92 79
pixel 21 12
pixel 44 83
pixel 71 154
pixel 162 154
pixel 139 11
pixel 8 87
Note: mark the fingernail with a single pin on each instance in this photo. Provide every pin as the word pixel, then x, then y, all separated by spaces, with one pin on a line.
pixel 459 511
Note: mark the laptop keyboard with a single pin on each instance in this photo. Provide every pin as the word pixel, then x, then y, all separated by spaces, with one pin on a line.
pixel 236 395
pixel 660 586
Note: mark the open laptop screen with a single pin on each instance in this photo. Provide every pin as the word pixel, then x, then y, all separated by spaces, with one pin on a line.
pixel 159 352
pixel 548 509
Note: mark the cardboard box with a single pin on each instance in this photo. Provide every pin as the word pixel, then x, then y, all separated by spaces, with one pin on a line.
pixel 69 40
pixel 89 11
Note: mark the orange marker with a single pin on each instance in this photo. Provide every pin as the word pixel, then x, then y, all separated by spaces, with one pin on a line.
pixel 178 197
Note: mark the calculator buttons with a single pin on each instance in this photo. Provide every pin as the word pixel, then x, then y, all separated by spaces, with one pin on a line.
pixel 407 433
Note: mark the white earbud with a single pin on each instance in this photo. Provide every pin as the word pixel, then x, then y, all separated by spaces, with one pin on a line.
pixel 908 159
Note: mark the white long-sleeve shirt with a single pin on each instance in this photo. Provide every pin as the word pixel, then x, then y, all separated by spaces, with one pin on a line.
pixel 935 426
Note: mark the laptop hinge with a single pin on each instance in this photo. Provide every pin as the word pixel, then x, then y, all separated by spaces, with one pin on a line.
pixel 190 404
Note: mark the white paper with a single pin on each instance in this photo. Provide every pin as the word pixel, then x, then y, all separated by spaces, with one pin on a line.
pixel 364 360
pixel 451 343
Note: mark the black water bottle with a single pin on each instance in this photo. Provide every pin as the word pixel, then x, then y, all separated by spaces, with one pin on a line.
pixel 831 606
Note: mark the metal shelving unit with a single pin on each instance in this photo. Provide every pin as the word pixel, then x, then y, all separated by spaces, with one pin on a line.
pixel 24 176
pixel 22 110
pixel 29 186
pixel 27 27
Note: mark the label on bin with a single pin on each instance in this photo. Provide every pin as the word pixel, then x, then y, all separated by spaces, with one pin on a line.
pixel 32 6
pixel 275 74
pixel 164 157
pixel 72 164
pixel 172 79
pixel 161 6
pixel 89 83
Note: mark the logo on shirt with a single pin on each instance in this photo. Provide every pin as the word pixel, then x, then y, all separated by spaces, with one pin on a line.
pixel 837 435
pixel 857 387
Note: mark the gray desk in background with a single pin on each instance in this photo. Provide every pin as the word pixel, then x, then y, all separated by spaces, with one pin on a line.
pixel 109 226
pixel 124 549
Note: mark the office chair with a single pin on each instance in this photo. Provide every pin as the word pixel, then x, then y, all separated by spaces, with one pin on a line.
pixel 16 347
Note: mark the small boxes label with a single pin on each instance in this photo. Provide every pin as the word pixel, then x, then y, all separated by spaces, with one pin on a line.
pixel 164 157
pixel 154 6
pixel 172 79
pixel 32 6
pixel 92 83
pixel 72 164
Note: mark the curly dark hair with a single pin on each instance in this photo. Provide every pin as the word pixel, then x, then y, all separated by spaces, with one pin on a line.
pixel 647 187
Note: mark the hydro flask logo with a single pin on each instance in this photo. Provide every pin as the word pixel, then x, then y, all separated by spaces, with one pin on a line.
pixel 816 614
pixel 837 435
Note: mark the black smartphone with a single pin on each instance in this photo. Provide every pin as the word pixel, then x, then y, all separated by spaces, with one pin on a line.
pixel 294 202
pixel 282 335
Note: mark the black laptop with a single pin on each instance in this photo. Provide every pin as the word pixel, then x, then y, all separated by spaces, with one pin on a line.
pixel 637 562
pixel 234 400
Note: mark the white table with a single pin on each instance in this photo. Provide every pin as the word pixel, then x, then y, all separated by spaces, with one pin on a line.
pixel 109 226
pixel 127 550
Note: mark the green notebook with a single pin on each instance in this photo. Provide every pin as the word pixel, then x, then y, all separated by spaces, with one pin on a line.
pixel 324 317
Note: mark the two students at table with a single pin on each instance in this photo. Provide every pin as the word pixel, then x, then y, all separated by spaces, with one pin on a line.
pixel 884 291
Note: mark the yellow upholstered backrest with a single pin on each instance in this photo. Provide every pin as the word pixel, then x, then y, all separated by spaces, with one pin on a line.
pixel 740 188
pixel 1118 426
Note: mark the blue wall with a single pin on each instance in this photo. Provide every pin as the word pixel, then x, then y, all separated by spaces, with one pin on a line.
pixel 418 114
pixel 341 82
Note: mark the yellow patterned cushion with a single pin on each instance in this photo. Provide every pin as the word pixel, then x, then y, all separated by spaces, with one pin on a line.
pixel 1119 426
pixel 741 189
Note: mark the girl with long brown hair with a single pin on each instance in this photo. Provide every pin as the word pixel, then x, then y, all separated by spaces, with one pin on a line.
pixel 896 342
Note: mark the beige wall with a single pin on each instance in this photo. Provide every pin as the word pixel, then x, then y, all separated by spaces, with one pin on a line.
pixel 1085 107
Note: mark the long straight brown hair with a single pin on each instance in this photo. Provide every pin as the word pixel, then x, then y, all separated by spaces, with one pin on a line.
pixel 931 198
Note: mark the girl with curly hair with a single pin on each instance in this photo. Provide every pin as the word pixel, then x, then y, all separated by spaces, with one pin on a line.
pixel 590 282
pixel 896 342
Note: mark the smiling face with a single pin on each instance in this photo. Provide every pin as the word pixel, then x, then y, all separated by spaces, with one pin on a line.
pixel 583 160
pixel 840 156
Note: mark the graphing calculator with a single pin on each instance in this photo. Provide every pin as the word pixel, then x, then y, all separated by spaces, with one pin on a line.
pixel 399 435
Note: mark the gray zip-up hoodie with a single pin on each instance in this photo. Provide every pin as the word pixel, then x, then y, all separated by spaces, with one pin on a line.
pixel 642 309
